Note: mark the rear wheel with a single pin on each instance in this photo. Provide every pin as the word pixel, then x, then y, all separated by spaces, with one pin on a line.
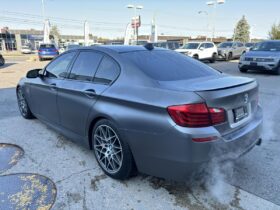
pixel 111 151
pixel 214 58
pixel 22 104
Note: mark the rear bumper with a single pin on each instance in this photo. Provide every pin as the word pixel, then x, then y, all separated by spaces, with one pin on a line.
pixel 262 66
pixel 173 155
pixel 47 56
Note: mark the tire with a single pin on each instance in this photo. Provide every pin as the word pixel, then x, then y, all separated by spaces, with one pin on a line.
pixel 23 106
pixel 111 151
pixel 2 61
pixel 243 70
pixel 277 72
pixel 229 57
pixel 214 58
pixel 196 57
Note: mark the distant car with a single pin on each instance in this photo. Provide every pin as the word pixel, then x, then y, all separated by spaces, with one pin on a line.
pixel 171 45
pixel 250 45
pixel 231 50
pixel 200 50
pixel 2 60
pixel 264 56
pixel 47 51
pixel 26 50
pixel 72 47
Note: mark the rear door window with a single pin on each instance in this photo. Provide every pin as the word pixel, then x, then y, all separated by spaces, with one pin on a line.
pixel 107 72
pixel 47 46
pixel 85 66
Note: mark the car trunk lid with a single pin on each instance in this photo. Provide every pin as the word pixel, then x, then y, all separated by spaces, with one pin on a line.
pixel 238 96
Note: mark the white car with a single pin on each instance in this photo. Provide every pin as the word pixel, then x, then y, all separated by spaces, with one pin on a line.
pixel 25 50
pixel 200 50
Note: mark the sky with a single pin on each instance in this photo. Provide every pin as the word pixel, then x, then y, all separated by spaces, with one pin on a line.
pixel 108 18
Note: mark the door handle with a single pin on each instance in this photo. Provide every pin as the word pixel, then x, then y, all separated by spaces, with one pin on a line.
pixel 53 86
pixel 90 93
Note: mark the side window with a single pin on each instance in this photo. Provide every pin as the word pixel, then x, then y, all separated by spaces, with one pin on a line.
pixel 58 68
pixel 240 44
pixel 107 72
pixel 85 66
pixel 209 45
pixel 202 45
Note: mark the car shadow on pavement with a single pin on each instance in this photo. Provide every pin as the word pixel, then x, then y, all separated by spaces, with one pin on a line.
pixel 23 190
pixel 6 65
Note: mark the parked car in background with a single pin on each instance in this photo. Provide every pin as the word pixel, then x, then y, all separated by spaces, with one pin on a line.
pixel 2 60
pixel 26 50
pixel 171 45
pixel 264 56
pixel 47 51
pixel 200 50
pixel 231 50
pixel 144 109
pixel 250 45
pixel 72 46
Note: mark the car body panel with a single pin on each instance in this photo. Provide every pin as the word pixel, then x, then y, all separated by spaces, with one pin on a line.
pixel 137 105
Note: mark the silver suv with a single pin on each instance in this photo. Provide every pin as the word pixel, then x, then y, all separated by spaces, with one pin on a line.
pixel 230 50
pixel 264 56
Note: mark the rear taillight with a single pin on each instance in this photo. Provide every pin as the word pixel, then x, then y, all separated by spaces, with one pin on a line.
pixel 196 115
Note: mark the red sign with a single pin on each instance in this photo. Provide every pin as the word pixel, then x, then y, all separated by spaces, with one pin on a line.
pixel 136 21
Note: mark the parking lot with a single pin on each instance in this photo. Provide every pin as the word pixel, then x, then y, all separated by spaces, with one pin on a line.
pixel 252 182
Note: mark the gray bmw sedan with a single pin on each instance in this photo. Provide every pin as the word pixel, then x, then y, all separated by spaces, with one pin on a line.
pixel 145 109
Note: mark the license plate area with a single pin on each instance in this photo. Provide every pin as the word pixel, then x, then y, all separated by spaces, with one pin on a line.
pixel 240 113
pixel 253 63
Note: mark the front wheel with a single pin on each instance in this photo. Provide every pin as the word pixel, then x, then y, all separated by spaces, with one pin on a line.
pixel 277 72
pixel 2 61
pixel 111 151
pixel 243 70
pixel 22 104
pixel 229 57
pixel 214 58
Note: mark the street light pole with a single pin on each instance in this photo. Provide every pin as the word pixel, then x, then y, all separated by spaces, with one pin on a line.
pixel 43 10
pixel 214 4
pixel 207 27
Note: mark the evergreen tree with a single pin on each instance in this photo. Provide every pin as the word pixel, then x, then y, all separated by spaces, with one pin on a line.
pixel 242 31
pixel 275 31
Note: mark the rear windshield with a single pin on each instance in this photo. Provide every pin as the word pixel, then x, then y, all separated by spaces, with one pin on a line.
pixel 47 46
pixel 166 65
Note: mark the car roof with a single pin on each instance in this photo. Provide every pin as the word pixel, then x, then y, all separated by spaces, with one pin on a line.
pixel 119 48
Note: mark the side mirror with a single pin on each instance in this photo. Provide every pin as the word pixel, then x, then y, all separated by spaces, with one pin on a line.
pixel 201 48
pixel 34 73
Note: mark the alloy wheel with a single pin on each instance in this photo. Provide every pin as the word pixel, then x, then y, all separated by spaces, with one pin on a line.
pixel 22 102
pixel 108 149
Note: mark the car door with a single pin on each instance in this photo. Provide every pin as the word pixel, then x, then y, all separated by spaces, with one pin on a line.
pixel 44 88
pixel 209 49
pixel 202 51
pixel 78 93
